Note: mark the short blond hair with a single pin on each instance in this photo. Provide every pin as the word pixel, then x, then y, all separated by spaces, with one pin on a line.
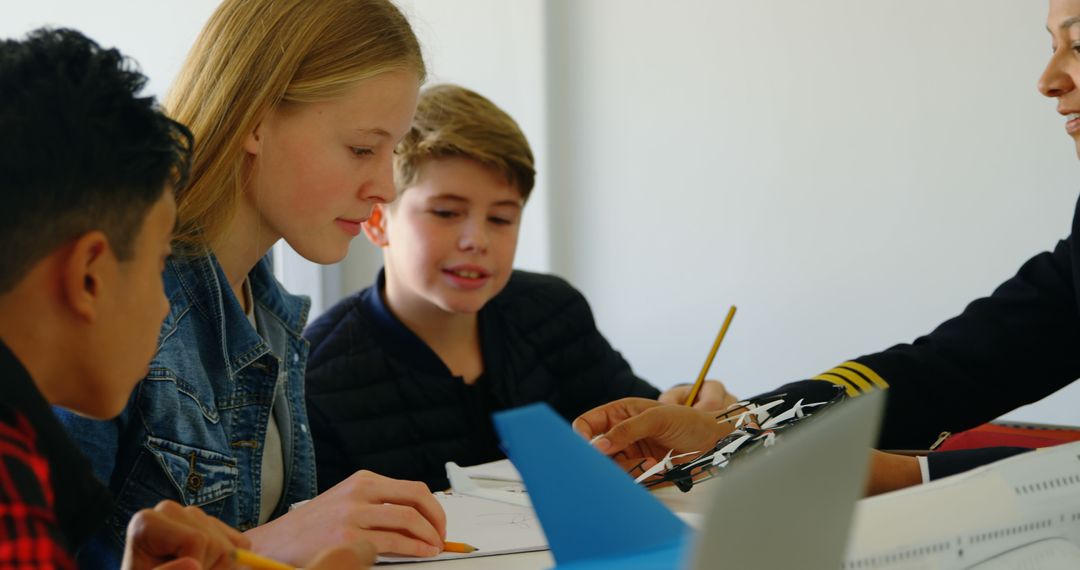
pixel 253 55
pixel 452 121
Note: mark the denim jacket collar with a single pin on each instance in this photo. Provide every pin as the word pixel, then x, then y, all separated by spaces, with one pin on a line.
pixel 206 288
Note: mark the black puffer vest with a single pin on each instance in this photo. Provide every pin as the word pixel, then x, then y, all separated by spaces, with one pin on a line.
pixel 380 399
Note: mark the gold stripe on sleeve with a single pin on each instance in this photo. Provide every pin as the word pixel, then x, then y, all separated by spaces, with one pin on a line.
pixel 835 379
pixel 867 372
pixel 853 378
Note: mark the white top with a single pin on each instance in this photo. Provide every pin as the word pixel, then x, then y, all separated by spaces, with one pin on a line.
pixel 273 459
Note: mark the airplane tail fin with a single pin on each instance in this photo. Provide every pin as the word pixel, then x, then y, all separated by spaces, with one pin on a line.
pixel 460 481
pixel 588 507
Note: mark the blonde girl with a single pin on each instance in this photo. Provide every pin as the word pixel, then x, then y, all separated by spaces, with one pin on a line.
pixel 296 106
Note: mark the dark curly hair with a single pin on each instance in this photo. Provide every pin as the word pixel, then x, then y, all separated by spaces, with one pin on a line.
pixel 79 149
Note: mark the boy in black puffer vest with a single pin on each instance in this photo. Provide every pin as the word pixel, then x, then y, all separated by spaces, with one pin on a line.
pixel 404 375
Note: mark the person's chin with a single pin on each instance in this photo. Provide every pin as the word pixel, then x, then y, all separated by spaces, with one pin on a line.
pixel 104 406
pixel 115 410
pixel 326 253
pixel 464 304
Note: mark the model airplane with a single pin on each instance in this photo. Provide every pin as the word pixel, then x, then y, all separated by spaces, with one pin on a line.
pixel 665 464
pixel 462 484
pixel 760 413
pixel 756 426
pixel 794 412
pixel 1018 513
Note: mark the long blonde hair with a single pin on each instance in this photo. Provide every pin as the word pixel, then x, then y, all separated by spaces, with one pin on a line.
pixel 255 54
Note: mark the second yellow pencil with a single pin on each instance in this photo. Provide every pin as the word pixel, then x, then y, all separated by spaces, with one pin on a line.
pixel 708 360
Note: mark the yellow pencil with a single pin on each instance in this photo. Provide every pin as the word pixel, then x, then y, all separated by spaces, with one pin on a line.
pixel 458 547
pixel 708 361
pixel 252 560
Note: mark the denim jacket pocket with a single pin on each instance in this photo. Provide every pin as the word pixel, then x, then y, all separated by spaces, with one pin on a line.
pixel 167 470
pixel 199 475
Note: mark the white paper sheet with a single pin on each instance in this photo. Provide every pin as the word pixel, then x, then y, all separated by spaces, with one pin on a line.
pixel 492 527
pixel 501 470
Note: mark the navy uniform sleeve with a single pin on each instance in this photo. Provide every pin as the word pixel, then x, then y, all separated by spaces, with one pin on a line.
pixel 944 463
pixel 1009 349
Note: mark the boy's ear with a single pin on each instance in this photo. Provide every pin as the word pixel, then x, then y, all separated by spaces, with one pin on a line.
pixel 375 226
pixel 84 274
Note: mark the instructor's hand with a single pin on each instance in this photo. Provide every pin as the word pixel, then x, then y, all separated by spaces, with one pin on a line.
pixel 713 395
pixel 640 429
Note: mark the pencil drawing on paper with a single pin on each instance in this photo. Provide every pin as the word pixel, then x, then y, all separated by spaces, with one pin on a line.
pixel 517 520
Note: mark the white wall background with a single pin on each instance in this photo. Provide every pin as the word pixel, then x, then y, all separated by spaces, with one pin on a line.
pixel 848 172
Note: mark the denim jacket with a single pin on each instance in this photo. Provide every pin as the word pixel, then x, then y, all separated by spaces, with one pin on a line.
pixel 194 427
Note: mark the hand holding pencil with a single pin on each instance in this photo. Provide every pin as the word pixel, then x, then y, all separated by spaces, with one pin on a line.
pixel 352 557
pixel 713 396
pixel 397 517
pixel 174 537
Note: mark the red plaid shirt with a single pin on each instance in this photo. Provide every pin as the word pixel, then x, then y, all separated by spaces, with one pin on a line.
pixel 30 536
